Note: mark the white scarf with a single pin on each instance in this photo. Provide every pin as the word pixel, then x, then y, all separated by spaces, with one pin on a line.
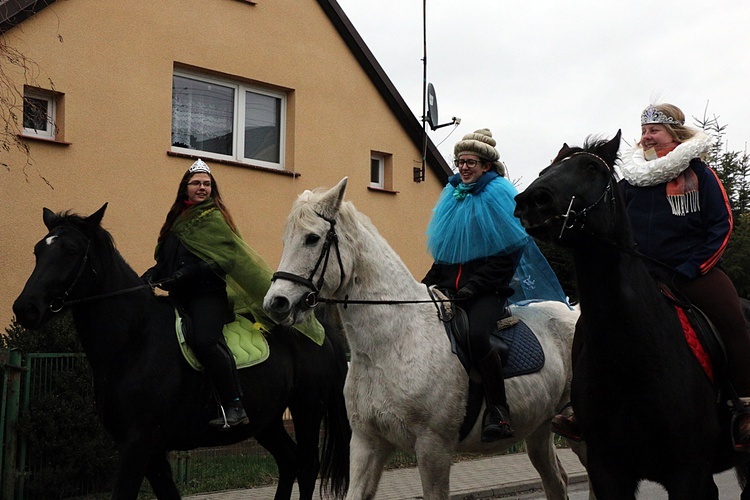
pixel 641 172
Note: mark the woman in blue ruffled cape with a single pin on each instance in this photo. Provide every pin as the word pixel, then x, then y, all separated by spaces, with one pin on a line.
pixel 482 256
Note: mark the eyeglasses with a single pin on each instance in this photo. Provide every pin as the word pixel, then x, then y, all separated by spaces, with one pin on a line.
pixel 470 163
pixel 199 183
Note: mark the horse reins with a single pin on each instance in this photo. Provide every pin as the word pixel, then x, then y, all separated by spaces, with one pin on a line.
pixel 312 299
pixel 580 216
pixel 57 304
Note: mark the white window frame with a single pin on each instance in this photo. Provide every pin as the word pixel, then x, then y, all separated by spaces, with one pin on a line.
pixel 50 132
pixel 238 126
pixel 380 159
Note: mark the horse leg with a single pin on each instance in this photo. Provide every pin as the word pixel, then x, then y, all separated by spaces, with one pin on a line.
pixel 276 440
pixel 541 451
pixel 368 455
pixel 687 484
pixel 307 421
pixel 609 480
pixel 434 462
pixel 131 469
pixel 579 448
pixel 159 475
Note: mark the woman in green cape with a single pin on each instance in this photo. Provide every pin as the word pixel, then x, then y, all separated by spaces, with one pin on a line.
pixel 205 263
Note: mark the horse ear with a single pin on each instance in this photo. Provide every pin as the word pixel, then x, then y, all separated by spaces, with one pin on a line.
pixel 562 153
pixel 95 219
pixel 333 197
pixel 609 150
pixel 49 217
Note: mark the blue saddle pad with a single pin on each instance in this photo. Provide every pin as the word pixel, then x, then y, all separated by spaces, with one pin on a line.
pixel 525 354
pixel 519 348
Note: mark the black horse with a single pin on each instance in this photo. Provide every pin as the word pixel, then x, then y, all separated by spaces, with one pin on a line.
pixel 148 397
pixel 645 406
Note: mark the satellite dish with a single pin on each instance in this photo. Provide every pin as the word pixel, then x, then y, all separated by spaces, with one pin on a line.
pixel 432 107
pixel 432 110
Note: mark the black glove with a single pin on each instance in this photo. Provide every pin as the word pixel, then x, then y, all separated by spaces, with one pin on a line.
pixel 464 293
pixel 147 276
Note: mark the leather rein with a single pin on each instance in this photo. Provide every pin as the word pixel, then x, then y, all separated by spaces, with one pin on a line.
pixel 58 303
pixel 312 299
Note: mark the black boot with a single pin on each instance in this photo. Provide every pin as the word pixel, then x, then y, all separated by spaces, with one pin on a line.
pixel 230 415
pixel 221 369
pixel 496 419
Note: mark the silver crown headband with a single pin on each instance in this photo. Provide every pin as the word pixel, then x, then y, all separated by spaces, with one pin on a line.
pixel 653 115
pixel 199 166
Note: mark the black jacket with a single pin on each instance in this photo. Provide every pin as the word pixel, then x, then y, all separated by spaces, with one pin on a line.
pixel 486 275
pixel 190 272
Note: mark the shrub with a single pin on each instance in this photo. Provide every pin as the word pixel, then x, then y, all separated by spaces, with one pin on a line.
pixel 68 451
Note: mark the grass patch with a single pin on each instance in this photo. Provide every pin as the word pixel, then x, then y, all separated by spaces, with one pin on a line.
pixel 205 473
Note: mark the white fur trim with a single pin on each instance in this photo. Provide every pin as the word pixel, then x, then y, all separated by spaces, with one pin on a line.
pixel 641 172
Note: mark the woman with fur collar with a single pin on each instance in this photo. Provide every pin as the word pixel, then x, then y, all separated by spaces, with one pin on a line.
pixel 680 216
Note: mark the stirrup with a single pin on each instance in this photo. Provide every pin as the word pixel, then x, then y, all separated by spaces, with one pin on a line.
pixel 238 417
pixel 495 425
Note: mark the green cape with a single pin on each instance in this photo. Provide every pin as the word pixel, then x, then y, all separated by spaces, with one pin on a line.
pixel 204 231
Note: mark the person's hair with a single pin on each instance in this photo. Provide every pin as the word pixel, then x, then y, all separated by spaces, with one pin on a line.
pixel 178 205
pixel 679 133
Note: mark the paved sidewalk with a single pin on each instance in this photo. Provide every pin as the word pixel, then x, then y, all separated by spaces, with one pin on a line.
pixel 480 478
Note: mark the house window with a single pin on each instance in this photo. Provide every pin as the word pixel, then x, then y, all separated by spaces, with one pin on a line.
pixel 377 170
pixel 228 120
pixel 39 113
pixel 381 170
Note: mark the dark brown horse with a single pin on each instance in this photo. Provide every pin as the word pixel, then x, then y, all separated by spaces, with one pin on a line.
pixel 148 397
pixel 645 406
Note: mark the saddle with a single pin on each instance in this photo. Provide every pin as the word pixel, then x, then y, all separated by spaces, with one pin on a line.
pixel 245 338
pixel 701 336
pixel 520 352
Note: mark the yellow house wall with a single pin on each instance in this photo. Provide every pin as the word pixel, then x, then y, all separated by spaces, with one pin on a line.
pixel 114 61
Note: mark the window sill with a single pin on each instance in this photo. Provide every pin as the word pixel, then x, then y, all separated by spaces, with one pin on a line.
pixel 235 164
pixel 381 190
pixel 43 139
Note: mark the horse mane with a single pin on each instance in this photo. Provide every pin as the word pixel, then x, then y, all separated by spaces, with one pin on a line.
pixel 590 145
pixel 108 256
pixel 306 213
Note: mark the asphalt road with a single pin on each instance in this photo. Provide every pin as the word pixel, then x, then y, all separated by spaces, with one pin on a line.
pixel 726 481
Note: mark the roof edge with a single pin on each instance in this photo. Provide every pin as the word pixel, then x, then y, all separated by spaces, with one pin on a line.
pixel 386 88
pixel 14 12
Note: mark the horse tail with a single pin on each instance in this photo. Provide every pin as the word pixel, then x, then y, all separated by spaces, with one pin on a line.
pixel 334 466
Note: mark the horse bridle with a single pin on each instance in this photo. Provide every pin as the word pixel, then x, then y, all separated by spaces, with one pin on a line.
pixel 331 241
pixel 573 219
pixel 56 305
pixel 312 299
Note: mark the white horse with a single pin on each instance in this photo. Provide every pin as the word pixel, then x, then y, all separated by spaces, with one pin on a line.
pixel 405 389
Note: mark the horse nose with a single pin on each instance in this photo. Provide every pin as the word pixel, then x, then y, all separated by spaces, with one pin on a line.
pixel 28 314
pixel 279 305
pixel 536 199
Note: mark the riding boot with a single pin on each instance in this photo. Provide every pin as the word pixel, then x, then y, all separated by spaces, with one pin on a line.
pixel 496 418
pixel 741 424
pixel 566 425
pixel 220 366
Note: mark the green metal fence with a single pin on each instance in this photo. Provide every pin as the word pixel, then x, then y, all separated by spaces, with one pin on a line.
pixel 35 377
pixel 24 378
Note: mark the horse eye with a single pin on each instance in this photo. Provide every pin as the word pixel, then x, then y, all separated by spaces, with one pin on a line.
pixel 312 239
